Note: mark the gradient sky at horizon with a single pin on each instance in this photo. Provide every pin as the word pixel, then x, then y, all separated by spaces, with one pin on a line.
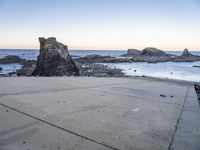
pixel 101 24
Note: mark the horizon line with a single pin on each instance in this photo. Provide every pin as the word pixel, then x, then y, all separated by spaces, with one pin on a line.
pixel 93 49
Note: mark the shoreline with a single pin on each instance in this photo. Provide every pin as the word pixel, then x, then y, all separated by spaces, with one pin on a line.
pixel 89 66
pixel 125 77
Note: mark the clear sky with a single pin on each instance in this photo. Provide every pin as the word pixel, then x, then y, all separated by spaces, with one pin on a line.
pixel 101 24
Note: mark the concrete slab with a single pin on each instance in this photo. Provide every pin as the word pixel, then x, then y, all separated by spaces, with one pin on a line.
pixel 187 135
pixel 20 132
pixel 119 112
pixel 30 84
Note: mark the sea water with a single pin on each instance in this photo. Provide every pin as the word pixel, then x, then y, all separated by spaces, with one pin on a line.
pixel 170 70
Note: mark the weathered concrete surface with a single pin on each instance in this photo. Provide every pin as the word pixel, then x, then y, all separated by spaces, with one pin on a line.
pixel 98 113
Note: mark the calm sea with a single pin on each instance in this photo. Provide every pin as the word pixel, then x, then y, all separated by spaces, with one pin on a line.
pixel 171 70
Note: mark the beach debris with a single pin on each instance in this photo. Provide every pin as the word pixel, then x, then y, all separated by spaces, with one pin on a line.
pixel 124 115
pixel 162 95
pixel 54 59
pixel 136 109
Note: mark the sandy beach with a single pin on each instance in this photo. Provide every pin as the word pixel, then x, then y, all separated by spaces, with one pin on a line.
pixel 98 113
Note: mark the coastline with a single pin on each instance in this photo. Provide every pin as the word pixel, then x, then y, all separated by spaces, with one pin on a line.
pixel 180 70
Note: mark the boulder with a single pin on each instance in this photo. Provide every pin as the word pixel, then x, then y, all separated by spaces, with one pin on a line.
pixel 54 59
pixel 27 68
pixel 132 52
pixel 11 59
pixel 186 57
pixel 94 58
pixel 150 51
pixel 186 53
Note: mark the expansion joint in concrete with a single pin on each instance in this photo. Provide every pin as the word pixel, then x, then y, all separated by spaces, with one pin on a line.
pixel 178 120
pixel 61 128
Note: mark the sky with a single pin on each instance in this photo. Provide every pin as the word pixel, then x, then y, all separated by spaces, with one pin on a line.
pixel 101 24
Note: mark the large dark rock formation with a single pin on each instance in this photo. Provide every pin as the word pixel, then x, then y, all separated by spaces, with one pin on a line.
pixel 149 54
pixel 54 59
pixel 151 51
pixel 94 58
pixel 186 57
pixel 186 53
pixel 132 52
pixel 12 59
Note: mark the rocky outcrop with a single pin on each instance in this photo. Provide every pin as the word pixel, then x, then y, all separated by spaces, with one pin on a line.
pixel 151 51
pixel 96 59
pixel 11 59
pixel 132 52
pixel 196 66
pixel 149 54
pixel 186 53
pixel 54 59
pixel 27 68
pixel 186 57
pixel 151 59
pixel 99 70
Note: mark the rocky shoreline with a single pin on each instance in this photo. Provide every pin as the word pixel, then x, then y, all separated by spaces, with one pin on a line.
pixel 85 69
pixel 55 60
pixel 149 55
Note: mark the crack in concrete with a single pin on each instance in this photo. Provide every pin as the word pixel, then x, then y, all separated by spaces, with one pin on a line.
pixel 61 128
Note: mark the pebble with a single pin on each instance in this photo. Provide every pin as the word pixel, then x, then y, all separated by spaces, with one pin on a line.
pixel 161 95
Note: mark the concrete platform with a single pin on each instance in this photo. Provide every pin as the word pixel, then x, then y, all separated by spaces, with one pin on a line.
pixel 98 113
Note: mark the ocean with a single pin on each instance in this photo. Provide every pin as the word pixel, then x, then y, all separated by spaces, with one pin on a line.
pixel 169 70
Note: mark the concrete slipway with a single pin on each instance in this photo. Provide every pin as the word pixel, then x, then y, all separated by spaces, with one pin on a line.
pixel 98 113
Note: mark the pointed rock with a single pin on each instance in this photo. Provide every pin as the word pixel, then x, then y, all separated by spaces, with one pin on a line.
pixel 54 59
pixel 186 57
pixel 186 52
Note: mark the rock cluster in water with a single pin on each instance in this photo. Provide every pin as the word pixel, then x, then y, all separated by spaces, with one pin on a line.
pixel 12 59
pixel 153 55
pixel 186 57
pixel 149 55
pixel 54 59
